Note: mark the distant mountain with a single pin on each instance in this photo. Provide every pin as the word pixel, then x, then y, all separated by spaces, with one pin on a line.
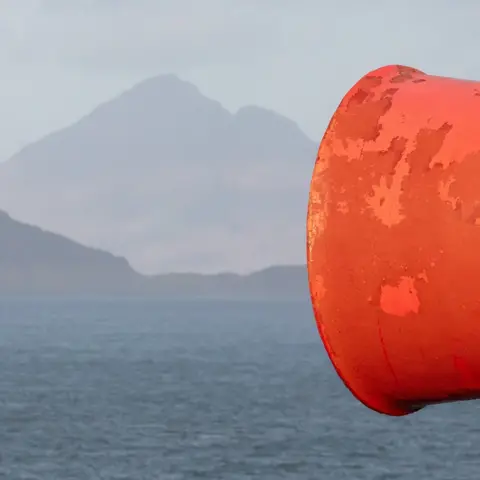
pixel 171 180
pixel 278 283
pixel 36 262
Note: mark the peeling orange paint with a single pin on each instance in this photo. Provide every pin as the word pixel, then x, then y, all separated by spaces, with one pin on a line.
pixel 401 299
pixel 385 201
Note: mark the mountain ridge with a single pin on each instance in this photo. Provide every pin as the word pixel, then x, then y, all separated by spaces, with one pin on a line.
pixel 171 180
pixel 37 262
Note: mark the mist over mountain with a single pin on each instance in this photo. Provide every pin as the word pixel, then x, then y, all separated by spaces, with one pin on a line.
pixel 36 262
pixel 170 180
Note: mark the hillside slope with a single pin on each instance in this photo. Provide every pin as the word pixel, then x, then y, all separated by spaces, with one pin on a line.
pixel 36 262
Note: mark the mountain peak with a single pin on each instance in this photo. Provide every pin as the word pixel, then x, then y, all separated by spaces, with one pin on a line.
pixel 164 84
pixel 160 101
pixel 171 180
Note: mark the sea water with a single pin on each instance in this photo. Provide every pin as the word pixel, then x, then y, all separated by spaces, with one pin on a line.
pixel 143 389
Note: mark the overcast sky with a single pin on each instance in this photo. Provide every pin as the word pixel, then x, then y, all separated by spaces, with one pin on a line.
pixel 60 58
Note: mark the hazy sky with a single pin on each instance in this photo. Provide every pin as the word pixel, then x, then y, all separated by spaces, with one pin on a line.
pixel 60 58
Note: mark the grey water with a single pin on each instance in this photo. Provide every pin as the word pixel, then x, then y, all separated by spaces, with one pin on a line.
pixel 108 389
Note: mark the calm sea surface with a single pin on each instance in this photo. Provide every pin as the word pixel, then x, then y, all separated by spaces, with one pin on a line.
pixel 172 391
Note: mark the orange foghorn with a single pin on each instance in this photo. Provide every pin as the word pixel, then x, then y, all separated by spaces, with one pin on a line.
pixel 393 240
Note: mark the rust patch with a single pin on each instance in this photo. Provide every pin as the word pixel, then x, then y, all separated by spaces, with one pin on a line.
pixel 389 92
pixel 371 81
pixel 359 118
pixel 399 79
pixel 362 121
pixel 428 142
pixel 359 97
pixel 404 70
pixel 404 74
